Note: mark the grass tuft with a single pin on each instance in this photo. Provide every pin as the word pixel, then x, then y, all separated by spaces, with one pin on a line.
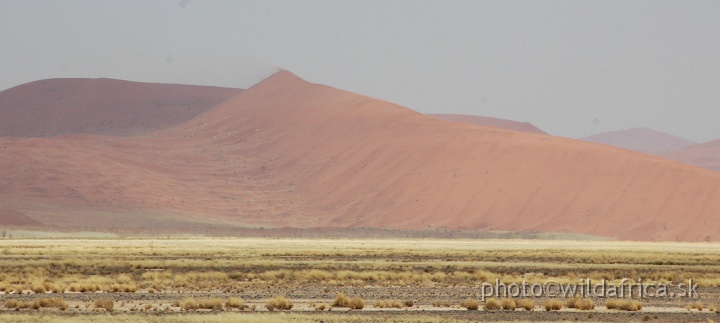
pixel 234 302
pixel 526 304
pixel 353 303
pixel 470 304
pixel 393 303
pixel 584 304
pixel 553 305
pixel 105 303
pixel 214 304
pixel 697 305
pixel 623 304
pixel 508 304
pixel 279 303
pixel 189 304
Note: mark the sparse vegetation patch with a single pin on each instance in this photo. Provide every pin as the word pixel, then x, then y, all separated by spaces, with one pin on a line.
pixel 208 276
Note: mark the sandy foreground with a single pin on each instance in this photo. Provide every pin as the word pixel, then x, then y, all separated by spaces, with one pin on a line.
pixel 432 278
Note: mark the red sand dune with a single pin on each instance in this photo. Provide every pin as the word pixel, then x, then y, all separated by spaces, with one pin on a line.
pixel 491 122
pixel 641 139
pixel 101 106
pixel 291 153
pixel 705 155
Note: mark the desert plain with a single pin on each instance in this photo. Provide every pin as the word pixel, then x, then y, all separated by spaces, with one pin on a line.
pixel 343 280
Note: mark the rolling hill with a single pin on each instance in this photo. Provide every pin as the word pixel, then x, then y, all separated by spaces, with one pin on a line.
pixel 288 153
pixel 706 155
pixel 101 106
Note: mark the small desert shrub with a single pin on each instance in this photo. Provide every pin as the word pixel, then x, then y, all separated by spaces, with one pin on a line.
pixel 52 302
pixel 632 305
pixel 389 304
pixel 698 306
pixel 13 303
pixel 215 304
pixel 126 288
pixel 357 304
pixel 84 288
pixel 320 307
pixel 105 303
pixel 470 304
pixel 584 304
pixel 553 305
pixel 38 288
pixel 408 303
pixel 714 308
pixel 279 303
pixel 234 302
pixel 58 288
pixel 492 304
pixel 189 304
pixel 525 303
pixel 508 304
pixel 623 304
pixel 343 301
pixel 612 303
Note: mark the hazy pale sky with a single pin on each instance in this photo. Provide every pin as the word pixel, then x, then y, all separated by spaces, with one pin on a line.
pixel 572 68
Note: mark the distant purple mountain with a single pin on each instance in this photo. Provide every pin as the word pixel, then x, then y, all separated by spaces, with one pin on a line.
pixel 705 155
pixel 491 122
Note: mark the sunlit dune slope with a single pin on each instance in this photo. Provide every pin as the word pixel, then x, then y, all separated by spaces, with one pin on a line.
pixel 290 153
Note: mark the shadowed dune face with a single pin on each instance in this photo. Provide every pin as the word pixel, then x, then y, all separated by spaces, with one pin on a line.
pixel 705 155
pixel 290 153
pixel 14 218
pixel 101 106
pixel 641 140
pixel 491 122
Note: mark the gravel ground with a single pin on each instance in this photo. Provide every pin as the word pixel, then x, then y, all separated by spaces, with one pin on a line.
pixel 160 303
